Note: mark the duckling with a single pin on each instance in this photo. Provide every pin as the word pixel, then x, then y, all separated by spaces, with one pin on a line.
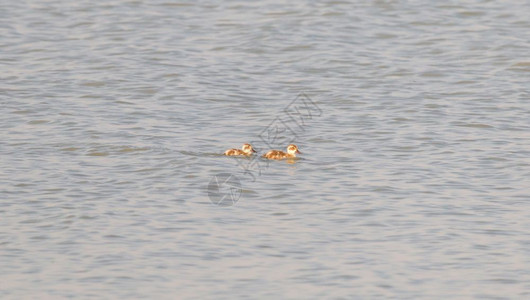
pixel 246 150
pixel 292 149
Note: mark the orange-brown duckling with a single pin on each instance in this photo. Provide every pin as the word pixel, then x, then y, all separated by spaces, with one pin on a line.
pixel 246 150
pixel 277 154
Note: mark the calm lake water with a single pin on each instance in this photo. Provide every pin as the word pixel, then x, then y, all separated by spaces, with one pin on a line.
pixel 413 119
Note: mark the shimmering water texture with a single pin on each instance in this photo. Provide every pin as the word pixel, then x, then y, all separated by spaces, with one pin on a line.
pixel 413 177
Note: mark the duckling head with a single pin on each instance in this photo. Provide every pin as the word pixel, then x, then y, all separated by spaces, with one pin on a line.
pixel 293 149
pixel 247 148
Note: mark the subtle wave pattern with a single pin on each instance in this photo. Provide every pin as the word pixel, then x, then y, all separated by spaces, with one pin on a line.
pixel 413 182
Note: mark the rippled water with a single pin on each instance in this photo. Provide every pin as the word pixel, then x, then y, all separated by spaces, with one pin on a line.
pixel 413 182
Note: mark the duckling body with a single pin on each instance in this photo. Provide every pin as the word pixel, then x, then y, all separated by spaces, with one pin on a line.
pixel 245 150
pixel 277 154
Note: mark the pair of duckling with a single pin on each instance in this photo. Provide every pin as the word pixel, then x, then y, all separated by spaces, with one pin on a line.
pixel 247 150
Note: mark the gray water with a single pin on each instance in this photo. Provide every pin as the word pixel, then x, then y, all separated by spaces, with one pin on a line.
pixel 413 177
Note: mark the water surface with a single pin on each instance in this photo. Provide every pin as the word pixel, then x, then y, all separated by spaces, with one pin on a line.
pixel 412 182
